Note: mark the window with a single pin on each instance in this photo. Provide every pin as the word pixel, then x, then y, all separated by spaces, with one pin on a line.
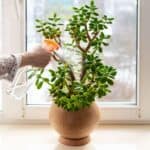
pixel 122 52
pixel 11 43
pixel 128 51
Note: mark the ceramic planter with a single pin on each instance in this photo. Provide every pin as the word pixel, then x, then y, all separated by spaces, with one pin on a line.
pixel 74 127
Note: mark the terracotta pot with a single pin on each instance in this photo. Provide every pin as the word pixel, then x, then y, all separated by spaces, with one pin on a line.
pixel 74 127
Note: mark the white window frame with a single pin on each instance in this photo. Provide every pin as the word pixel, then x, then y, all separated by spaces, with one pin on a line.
pixel 112 113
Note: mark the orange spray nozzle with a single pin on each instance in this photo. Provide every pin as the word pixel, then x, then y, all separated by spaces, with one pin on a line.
pixel 50 45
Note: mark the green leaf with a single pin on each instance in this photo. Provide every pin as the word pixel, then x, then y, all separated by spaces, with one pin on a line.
pixel 39 85
pixel 52 72
pixel 67 93
pixel 38 20
pixel 105 44
pixel 31 75
pixel 53 79
pixel 110 81
pixel 102 35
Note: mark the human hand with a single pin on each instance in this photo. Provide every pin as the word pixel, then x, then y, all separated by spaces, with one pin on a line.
pixel 38 57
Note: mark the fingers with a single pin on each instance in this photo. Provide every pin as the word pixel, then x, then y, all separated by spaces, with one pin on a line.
pixel 47 48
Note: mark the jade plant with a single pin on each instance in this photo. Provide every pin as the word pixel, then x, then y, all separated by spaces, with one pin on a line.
pixel 86 29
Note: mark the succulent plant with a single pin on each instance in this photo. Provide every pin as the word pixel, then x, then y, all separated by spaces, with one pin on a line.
pixel 86 28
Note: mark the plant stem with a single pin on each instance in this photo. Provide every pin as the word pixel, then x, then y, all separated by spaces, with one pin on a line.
pixel 83 71
pixel 64 62
pixel 79 46
pixel 69 89
pixel 59 41
pixel 87 32
pixel 89 44
pixel 56 40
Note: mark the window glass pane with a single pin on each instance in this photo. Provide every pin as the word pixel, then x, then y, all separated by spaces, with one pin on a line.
pixel 121 53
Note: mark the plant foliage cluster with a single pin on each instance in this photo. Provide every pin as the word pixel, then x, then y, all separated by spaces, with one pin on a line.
pixel 87 33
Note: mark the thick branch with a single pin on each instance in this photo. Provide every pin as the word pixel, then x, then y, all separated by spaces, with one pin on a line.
pixel 89 44
pixel 87 32
pixel 83 72
pixel 79 46
pixel 59 58
pixel 68 87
